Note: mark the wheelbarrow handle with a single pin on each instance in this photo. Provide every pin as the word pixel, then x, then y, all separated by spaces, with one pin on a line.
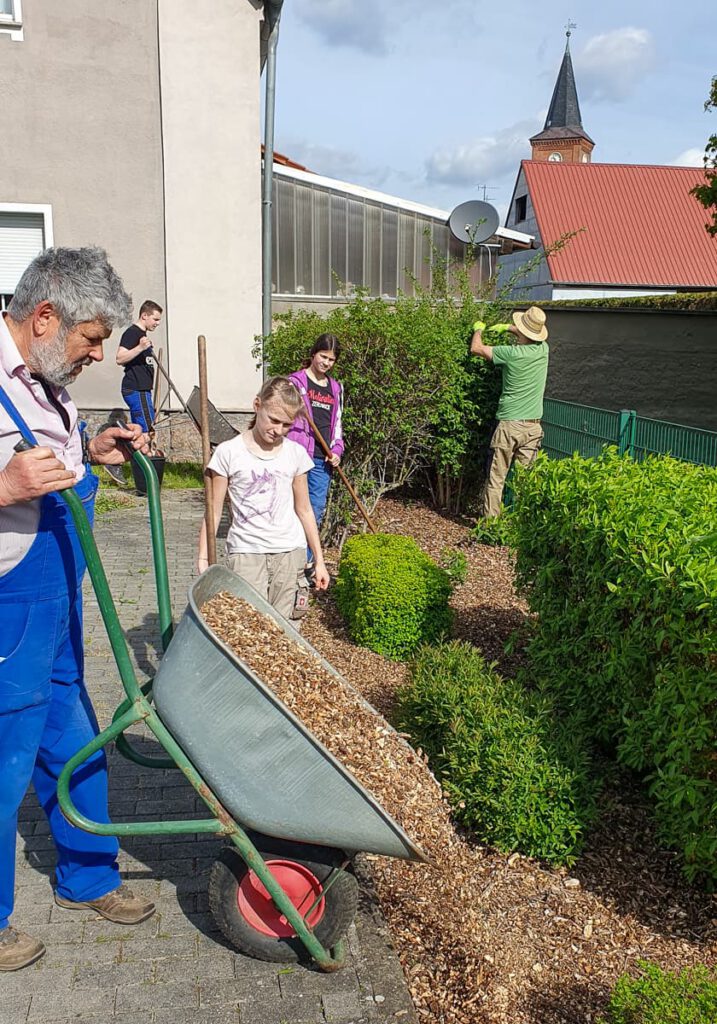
pixel 118 418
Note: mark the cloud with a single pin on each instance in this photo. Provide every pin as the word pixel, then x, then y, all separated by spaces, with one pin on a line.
pixel 612 65
pixel 689 158
pixel 487 157
pixel 370 26
pixel 333 162
pixel 359 24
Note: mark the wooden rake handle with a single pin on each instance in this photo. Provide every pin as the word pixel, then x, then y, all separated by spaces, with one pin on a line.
pixel 210 525
pixel 329 454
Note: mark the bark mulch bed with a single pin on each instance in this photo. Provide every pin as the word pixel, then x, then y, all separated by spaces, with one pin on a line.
pixel 550 943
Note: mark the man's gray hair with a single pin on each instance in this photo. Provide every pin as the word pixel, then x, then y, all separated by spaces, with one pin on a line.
pixel 81 284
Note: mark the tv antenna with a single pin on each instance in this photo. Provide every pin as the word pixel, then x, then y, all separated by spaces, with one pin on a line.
pixel 487 188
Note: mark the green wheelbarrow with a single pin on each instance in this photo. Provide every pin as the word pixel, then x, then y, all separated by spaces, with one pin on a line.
pixel 282 889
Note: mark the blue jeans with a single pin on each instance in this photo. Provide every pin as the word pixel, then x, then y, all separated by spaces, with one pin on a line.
pixel 141 408
pixel 319 481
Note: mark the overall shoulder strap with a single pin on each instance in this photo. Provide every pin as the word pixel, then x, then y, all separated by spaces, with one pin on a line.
pixel 9 407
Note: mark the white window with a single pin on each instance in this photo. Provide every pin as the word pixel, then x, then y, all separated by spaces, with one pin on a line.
pixel 25 230
pixel 11 18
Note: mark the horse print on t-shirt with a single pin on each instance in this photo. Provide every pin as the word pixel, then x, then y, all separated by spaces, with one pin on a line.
pixel 259 498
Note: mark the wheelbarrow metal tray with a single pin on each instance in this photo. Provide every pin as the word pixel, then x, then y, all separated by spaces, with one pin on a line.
pixel 264 765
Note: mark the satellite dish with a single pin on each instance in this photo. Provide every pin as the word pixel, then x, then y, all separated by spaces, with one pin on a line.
pixel 473 222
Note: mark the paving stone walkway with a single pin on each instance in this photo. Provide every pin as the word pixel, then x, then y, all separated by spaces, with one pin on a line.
pixel 175 967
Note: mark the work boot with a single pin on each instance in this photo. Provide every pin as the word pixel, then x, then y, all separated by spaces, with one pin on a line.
pixel 18 950
pixel 117 475
pixel 121 906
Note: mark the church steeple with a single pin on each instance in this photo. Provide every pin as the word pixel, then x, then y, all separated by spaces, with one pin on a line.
pixel 563 137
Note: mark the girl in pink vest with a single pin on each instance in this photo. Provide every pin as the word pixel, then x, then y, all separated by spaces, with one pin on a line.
pixel 324 400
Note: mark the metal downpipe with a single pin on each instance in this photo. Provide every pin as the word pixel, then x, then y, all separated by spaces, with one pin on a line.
pixel 267 218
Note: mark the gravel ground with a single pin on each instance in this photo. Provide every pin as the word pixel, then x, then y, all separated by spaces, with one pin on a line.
pixel 552 942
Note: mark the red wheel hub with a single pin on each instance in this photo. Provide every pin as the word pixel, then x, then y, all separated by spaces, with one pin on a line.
pixel 301 886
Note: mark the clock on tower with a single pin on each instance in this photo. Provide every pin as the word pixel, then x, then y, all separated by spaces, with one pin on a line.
pixel 555 157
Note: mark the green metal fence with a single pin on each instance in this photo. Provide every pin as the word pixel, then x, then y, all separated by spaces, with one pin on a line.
pixel 573 428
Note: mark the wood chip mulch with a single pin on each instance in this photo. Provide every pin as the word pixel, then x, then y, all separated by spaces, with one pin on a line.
pixel 486 938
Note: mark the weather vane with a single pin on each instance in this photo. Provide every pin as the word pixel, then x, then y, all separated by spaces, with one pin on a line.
pixel 570 25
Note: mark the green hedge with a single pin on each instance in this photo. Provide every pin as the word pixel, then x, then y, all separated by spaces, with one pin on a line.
pixel 392 595
pixel 661 997
pixel 515 775
pixel 679 302
pixel 609 554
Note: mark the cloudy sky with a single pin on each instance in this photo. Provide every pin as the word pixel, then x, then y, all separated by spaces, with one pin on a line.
pixel 431 100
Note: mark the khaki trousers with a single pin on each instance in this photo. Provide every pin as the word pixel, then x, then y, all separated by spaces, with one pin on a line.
pixel 512 439
pixel 275 576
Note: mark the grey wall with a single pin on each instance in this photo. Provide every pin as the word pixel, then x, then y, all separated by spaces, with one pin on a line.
pixel 312 305
pixel 81 131
pixel 528 284
pixel 662 364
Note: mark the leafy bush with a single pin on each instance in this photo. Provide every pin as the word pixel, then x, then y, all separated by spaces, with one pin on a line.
pixel 613 558
pixel 392 595
pixel 515 776
pixel 661 997
pixel 455 562
pixel 495 531
pixel 417 403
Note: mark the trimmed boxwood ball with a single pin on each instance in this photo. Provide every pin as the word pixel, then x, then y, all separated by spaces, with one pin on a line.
pixel 392 595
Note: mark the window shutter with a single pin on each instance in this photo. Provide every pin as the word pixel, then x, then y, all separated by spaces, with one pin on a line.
pixel 22 237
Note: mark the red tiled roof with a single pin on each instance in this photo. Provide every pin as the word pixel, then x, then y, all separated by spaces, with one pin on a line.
pixel 642 225
pixel 285 161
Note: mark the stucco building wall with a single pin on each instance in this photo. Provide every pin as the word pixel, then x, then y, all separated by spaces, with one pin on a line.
pixel 81 131
pixel 138 123
pixel 210 114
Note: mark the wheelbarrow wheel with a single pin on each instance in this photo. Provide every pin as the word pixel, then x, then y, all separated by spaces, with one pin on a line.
pixel 247 917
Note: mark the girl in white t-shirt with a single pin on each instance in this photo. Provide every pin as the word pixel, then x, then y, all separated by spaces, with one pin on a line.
pixel 271 516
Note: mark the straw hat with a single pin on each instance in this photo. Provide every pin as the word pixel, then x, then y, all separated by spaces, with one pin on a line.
pixel 531 324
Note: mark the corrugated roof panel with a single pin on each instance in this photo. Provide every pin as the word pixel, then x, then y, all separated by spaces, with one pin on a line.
pixel 641 225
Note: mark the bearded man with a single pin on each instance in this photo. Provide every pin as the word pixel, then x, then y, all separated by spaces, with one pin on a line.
pixel 66 304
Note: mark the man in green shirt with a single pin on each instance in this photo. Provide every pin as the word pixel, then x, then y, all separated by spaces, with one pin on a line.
pixel 524 364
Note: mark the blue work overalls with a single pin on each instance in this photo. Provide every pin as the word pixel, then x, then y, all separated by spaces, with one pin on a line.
pixel 45 711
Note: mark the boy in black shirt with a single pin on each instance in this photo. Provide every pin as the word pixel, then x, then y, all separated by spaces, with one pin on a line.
pixel 138 380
